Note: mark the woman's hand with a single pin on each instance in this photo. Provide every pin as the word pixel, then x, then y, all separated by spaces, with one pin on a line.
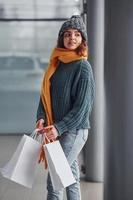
pixel 40 125
pixel 51 132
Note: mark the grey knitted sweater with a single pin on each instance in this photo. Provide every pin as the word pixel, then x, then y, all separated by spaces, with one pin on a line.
pixel 72 94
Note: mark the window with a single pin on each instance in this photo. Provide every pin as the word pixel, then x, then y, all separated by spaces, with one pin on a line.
pixel 28 32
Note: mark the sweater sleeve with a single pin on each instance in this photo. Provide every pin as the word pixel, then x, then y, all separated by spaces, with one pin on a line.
pixel 40 111
pixel 83 103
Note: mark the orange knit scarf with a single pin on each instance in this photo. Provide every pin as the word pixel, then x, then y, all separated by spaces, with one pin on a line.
pixel 58 54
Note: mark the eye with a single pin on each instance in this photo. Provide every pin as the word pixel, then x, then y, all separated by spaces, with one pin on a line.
pixel 67 34
pixel 77 34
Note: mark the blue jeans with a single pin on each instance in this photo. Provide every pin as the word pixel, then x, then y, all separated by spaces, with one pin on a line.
pixel 72 143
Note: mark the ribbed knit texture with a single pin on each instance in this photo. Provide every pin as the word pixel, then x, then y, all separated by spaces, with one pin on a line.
pixel 72 95
pixel 58 55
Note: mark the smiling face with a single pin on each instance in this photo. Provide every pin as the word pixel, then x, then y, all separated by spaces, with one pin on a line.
pixel 72 39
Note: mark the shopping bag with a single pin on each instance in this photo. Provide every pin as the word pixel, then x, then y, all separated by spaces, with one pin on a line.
pixel 21 167
pixel 59 168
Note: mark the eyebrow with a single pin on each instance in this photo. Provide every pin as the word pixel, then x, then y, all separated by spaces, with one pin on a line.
pixel 67 31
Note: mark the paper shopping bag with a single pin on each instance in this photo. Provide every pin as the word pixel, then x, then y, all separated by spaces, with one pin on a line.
pixel 21 167
pixel 59 168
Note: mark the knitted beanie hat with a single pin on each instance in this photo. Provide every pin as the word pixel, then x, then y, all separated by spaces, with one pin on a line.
pixel 75 22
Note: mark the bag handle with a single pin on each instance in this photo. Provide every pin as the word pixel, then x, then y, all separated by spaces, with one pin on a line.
pixel 34 134
pixel 44 140
pixel 42 155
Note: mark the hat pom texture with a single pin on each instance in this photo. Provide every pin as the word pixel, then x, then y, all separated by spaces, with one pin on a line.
pixel 75 22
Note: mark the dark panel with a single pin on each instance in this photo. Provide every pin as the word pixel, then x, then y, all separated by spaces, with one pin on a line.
pixel 119 98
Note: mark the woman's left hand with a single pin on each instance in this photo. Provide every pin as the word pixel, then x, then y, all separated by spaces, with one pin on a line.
pixel 51 132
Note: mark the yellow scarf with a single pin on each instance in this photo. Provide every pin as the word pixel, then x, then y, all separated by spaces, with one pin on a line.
pixel 58 54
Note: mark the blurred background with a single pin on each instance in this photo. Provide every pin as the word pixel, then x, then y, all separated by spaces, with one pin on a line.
pixel 28 33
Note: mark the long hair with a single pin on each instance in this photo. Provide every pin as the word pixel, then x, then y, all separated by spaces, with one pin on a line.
pixel 80 50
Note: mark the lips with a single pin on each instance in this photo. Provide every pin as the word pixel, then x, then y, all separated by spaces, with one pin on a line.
pixel 72 43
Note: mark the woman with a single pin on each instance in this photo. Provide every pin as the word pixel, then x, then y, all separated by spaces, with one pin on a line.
pixel 66 99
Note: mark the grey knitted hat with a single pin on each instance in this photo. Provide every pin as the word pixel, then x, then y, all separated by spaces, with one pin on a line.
pixel 75 22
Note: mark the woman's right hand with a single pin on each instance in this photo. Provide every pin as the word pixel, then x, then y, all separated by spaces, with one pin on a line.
pixel 40 125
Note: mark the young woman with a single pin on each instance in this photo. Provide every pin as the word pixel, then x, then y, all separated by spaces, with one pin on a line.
pixel 66 99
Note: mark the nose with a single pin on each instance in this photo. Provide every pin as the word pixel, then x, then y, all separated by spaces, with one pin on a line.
pixel 72 36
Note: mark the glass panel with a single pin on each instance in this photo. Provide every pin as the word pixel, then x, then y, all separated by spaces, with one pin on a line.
pixel 33 39
pixel 24 53
pixel 38 8
pixel 25 48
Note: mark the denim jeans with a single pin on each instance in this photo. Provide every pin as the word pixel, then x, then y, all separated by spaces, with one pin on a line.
pixel 72 143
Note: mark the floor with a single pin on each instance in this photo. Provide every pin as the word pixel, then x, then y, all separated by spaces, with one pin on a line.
pixel 13 191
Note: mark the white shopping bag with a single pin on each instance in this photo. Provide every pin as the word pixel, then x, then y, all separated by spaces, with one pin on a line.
pixel 59 168
pixel 21 167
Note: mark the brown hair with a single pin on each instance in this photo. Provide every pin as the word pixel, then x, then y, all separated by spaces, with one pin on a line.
pixel 83 47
